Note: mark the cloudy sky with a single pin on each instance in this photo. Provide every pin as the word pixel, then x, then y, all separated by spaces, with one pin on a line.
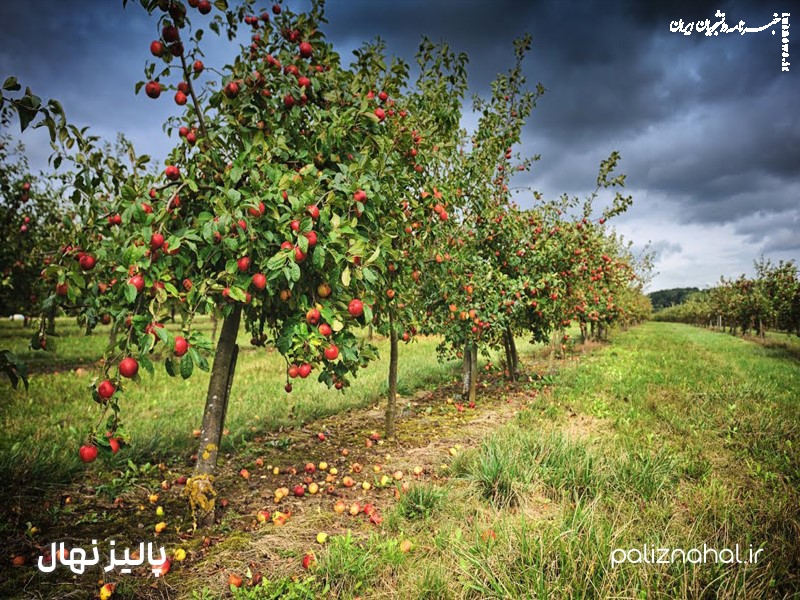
pixel 708 126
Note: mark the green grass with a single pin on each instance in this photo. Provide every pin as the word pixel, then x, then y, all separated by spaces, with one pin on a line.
pixel 421 502
pixel 670 436
pixel 692 438
pixel 44 427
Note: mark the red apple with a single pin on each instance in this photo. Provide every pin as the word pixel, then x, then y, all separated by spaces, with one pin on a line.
pixel 331 352
pixel 259 281
pixel 128 367
pixel 232 89
pixel 137 281
pixel 304 370
pixel 355 308
pixel 181 346
pixel 170 33
pixel 313 211
pixel 172 172
pixel 325 329
pixel 379 112
pixel 198 66
pixel 311 236
pixel 243 263
pixel 306 50
pixel 156 241
pixel 156 48
pixel 360 196
pixel 88 453
pixel 106 389
pixel 180 98
pixel 152 89
pixel 87 262
pixel 312 316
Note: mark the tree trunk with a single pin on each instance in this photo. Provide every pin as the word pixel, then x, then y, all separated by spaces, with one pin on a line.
pixel 473 375
pixel 391 406
pixel 583 332
pixel 514 354
pixel 369 332
pixel 200 488
pixel 467 370
pixel 508 341
pixel 112 335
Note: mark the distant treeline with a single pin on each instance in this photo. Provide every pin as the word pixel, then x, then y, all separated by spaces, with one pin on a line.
pixel 664 298
pixel 770 300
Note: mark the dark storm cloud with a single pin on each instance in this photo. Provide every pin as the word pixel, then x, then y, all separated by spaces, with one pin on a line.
pixel 707 127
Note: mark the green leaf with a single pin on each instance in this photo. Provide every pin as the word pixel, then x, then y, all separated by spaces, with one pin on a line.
pixel 294 270
pixel 369 275
pixel 236 175
pixel 130 292
pixel 277 261
pixel 170 367
pixel 147 364
pixel 374 256
pixel 26 115
pixel 346 276
pixel 367 314
pixel 187 366
pixel 11 84
pixel 319 257
pixel 237 294
pixel 164 335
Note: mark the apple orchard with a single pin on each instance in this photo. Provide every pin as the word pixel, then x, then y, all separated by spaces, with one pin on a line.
pixel 307 200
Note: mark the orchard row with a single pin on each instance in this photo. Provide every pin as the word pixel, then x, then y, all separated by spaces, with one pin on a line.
pixel 770 300
pixel 308 198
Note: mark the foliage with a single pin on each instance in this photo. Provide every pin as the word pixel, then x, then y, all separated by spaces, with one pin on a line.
pixel 770 300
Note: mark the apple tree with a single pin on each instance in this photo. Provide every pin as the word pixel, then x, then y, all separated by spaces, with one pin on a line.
pixel 277 207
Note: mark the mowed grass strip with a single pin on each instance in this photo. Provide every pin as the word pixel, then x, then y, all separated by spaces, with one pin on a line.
pixel 688 440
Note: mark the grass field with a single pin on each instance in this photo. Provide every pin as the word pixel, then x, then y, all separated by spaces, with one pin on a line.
pixel 670 437
pixel 161 413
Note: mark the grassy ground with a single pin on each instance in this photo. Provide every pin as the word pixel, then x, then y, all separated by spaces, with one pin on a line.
pixel 43 426
pixel 670 437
